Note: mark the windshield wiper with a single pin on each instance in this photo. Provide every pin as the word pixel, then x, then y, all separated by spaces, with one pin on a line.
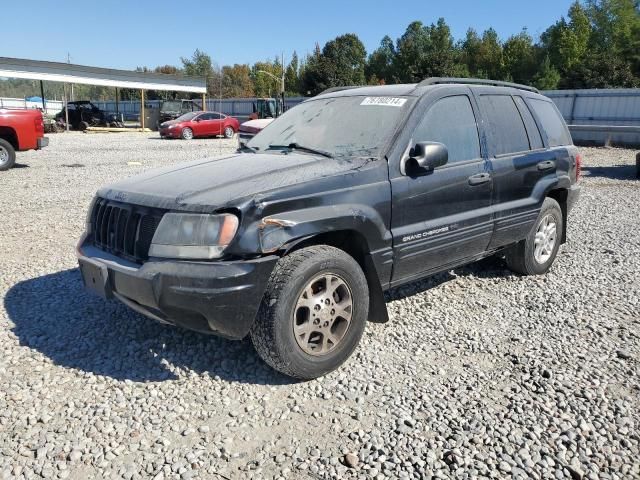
pixel 247 148
pixel 297 146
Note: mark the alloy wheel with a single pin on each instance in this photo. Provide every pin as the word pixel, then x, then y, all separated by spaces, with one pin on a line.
pixel 322 314
pixel 545 239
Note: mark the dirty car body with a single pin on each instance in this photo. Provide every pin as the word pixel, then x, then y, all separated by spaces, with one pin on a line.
pixel 342 169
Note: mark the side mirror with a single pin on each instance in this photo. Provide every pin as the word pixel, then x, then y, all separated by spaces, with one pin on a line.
pixel 429 155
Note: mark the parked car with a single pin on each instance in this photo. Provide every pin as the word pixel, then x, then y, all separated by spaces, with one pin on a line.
pixel 172 109
pixel 84 114
pixel 20 130
pixel 250 129
pixel 346 195
pixel 199 124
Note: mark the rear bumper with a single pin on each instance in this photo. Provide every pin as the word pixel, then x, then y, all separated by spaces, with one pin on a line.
pixel 43 142
pixel 219 298
pixel 573 196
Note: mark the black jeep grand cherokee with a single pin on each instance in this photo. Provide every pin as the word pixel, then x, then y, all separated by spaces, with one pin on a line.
pixel 293 240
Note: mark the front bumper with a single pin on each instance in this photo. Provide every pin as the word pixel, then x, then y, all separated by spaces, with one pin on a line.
pixel 219 298
pixel 170 132
pixel 43 142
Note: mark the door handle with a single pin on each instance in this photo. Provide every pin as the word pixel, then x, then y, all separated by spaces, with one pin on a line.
pixel 479 179
pixel 547 165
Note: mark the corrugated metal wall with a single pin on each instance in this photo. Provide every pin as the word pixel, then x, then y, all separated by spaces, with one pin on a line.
pixel 236 107
pixel 620 106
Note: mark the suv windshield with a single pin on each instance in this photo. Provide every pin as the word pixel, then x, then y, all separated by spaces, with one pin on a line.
pixel 171 106
pixel 339 126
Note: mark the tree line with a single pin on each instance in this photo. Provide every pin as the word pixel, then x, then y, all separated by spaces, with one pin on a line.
pixel 595 45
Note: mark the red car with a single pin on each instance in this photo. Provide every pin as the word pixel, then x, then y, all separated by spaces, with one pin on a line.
pixel 199 124
pixel 19 130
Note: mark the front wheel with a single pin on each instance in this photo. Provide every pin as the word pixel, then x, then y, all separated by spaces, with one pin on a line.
pixel 187 133
pixel 535 254
pixel 313 312
pixel 7 155
pixel 228 132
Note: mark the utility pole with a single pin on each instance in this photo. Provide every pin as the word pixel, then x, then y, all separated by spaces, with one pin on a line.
pixel 69 61
pixel 282 90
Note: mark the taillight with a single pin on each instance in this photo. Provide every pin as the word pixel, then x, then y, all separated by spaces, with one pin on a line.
pixel 39 124
pixel 578 166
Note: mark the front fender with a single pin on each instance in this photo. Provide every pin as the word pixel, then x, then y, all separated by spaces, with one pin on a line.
pixel 277 231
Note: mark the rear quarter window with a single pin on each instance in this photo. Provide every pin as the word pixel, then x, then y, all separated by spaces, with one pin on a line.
pixel 551 122
pixel 532 129
pixel 504 127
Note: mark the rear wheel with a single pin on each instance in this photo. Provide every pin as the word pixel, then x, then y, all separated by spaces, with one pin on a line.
pixel 7 155
pixel 187 133
pixel 228 132
pixel 535 254
pixel 313 313
pixel 82 126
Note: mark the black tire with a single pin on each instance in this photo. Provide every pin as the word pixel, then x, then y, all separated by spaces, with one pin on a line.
pixel 521 258
pixel 229 132
pixel 7 155
pixel 187 133
pixel 273 331
pixel 82 126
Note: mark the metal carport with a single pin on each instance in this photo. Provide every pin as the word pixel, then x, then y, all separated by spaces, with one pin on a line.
pixel 107 77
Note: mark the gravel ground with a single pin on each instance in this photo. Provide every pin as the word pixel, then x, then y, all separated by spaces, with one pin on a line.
pixel 479 373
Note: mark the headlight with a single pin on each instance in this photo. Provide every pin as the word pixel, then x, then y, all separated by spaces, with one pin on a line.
pixel 194 236
pixel 171 126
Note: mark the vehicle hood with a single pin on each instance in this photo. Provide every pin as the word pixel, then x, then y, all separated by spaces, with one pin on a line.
pixel 169 123
pixel 254 126
pixel 225 182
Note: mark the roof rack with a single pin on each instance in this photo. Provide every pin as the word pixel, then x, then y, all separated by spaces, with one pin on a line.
pixel 339 89
pixel 475 81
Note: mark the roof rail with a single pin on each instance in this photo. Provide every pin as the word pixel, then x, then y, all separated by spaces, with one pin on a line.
pixel 339 89
pixel 475 81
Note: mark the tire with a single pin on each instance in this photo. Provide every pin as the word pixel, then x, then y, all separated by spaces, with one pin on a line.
pixel 310 355
pixel 187 134
pixel 530 258
pixel 7 155
pixel 82 126
pixel 229 132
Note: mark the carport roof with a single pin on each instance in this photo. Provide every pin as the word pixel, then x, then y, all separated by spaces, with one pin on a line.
pixel 70 73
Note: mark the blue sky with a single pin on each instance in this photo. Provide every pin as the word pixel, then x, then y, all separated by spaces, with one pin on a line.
pixel 126 34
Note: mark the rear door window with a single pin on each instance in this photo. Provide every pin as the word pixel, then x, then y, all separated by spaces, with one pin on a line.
pixel 551 122
pixel 535 140
pixel 451 121
pixel 504 126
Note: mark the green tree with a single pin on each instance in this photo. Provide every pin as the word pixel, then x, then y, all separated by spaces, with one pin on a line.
pixel 547 77
pixel 201 65
pixel 236 81
pixel 601 70
pixel 426 51
pixel 266 85
pixel 567 42
pixel 519 58
pixel 616 29
pixel 312 78
pixel 291 77
pixel 343 60
pixel 380 62
pixel 490 59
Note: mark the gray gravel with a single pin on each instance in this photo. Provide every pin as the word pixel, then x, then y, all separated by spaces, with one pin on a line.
pixel 480 373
